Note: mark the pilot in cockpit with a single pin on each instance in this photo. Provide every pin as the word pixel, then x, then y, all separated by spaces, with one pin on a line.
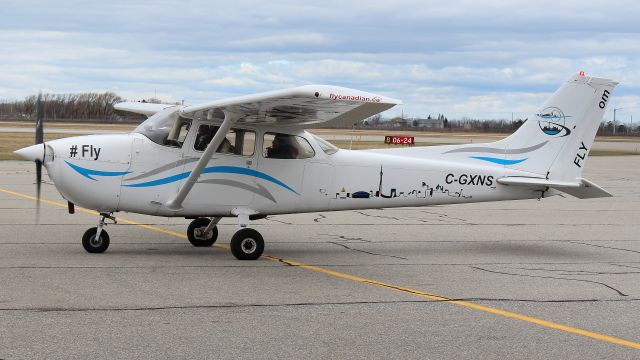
pixel 283 147
pixel 202 138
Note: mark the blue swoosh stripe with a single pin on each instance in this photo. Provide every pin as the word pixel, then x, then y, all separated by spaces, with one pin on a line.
pixel 498 160
pixel 88 172
pixel 215 170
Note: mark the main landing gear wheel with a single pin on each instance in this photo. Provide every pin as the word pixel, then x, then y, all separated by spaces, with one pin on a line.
pixel 93 244
pixel 196 234
pixel 247 244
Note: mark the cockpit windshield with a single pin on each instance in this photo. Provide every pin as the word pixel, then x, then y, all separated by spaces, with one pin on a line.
pixel 165 129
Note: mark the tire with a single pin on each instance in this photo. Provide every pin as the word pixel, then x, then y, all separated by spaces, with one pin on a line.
pixel 201 223
pixel 91 245
pixel 247 244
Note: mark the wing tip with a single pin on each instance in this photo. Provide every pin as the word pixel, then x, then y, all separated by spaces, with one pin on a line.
pixel 340 93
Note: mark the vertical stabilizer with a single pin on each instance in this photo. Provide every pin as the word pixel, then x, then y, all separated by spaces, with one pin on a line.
pixel 555 141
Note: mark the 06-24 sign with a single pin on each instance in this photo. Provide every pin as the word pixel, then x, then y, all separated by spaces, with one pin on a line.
pixel 399 140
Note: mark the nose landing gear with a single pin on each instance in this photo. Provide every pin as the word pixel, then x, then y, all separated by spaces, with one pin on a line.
pixel 96 239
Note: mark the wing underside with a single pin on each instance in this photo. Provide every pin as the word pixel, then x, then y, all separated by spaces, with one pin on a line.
pixel 304 105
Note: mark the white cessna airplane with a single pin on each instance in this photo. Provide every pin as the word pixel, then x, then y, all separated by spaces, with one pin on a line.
pixel 249 157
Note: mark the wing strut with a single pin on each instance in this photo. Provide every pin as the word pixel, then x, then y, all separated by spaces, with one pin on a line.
pixel 175 204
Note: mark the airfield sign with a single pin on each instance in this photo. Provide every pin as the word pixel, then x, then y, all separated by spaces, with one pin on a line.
pixel 399 140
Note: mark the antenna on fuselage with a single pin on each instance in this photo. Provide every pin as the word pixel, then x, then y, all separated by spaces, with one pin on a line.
pixel 380 185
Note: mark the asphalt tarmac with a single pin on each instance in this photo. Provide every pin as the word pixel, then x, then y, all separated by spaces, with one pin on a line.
pixel 557 278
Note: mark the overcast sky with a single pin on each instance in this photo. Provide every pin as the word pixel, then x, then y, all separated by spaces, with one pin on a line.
pixel 477 59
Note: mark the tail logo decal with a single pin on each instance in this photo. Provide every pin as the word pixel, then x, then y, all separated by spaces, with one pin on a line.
pixel 553 122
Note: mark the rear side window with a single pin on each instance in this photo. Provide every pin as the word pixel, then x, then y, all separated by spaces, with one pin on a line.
pixel 285 146
pixel 248 142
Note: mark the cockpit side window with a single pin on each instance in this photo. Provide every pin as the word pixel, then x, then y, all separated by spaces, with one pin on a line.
pixel 236 142
pixel 204 136
pixel 178 133
pixel 285 146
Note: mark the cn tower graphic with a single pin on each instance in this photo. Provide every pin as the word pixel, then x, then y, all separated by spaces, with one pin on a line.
pixel 380 185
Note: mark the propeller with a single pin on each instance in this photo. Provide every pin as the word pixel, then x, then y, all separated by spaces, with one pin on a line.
pixel 39 140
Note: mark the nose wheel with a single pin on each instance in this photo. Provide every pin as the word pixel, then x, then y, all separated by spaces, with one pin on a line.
pixel 96 239
pixel 93 244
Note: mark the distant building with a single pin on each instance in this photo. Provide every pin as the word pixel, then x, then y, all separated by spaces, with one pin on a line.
pixel 427 123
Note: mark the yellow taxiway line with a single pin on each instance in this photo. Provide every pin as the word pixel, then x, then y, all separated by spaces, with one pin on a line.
pixel 341 275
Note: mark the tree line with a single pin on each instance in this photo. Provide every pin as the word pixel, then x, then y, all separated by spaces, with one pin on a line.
pixel 82 107
pixel 441 123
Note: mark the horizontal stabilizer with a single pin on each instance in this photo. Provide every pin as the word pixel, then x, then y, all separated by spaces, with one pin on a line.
pixel 581 188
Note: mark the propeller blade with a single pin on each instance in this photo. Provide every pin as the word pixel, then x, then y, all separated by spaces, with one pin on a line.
pixel 38 183
pixel 39 140
pixel 39 120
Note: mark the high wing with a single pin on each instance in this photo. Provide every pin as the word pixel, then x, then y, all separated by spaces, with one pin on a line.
pixel 310 104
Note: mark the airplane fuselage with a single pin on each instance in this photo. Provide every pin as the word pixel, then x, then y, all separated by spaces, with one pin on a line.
pixel 129 172
pixel 247 157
